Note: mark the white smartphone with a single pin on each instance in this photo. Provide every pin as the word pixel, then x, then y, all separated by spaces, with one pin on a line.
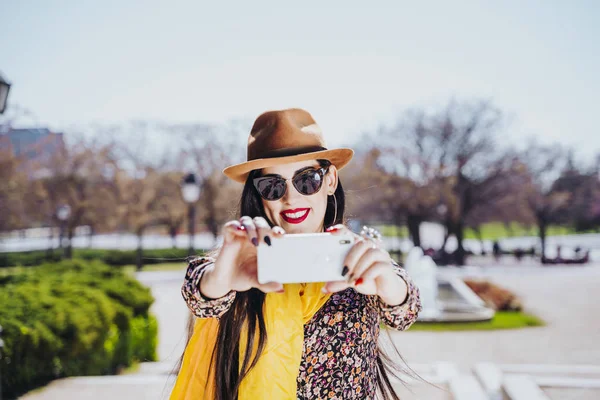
pixel 303 258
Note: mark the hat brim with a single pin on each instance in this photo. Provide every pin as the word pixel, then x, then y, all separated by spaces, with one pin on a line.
pixel 337 157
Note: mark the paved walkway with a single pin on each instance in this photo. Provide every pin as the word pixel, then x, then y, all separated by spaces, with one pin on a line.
pixel 568 299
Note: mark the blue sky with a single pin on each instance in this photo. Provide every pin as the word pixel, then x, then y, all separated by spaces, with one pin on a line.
pixel 352 65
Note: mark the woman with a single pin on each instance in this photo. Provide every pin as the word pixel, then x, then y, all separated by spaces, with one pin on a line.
pixel 305 341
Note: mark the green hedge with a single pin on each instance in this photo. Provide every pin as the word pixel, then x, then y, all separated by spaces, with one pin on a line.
pixel 72 318
pixel 110 257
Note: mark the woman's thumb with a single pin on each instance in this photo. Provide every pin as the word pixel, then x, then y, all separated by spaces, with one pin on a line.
pixel 271 287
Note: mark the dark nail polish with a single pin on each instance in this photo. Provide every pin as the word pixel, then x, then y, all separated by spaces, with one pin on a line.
pixel 268 240
pixel 345 271
pixel 255 241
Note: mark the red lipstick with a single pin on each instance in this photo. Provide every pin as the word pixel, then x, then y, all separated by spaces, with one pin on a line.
pixel 295 216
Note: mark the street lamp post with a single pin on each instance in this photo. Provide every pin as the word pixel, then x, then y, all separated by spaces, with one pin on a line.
pixel 63 213
pixel 4 88
pixel 190 190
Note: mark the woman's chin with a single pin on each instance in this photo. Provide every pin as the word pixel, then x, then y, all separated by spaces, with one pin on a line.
pixel 303 227
pixel 289 228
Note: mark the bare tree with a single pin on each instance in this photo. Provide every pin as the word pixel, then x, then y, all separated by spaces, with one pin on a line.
pixel 219 200
pixel 206 151
pixel 13 214
pixel 80 177
pixel 468 157
pixel 153 157
pixel 368 188
pixel 409 155
pixel 583 185
pixel 142 202
pixel 170 207
pixel 542 166
pixel 453 161
pixel 148 189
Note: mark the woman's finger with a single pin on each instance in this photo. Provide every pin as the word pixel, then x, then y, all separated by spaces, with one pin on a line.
pixel 355 253
pixel 248 225
pixel 262 230
pixel 231 230
pixel 265 287
pixel 376 270
pixel 366 260
pixel 270 287
pixel 337 229
pixel 277 231
pixel 341 229
pixel 338 286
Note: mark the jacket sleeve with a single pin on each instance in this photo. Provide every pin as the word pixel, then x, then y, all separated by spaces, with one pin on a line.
pixel 402 316
pixel 199 305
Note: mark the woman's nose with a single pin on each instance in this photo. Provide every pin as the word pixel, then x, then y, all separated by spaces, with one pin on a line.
pixel 290 194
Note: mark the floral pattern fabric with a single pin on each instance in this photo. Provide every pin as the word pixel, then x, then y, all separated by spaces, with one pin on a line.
pixel 339 359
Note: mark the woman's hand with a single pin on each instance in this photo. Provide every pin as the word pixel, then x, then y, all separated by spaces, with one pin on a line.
pixel 368 269
pixel 235 267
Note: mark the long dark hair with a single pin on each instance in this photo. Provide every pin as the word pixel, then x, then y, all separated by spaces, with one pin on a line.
pixel 248 309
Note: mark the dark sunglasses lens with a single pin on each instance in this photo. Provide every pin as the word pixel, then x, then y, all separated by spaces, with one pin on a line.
pixel 271 188
pixel 308 183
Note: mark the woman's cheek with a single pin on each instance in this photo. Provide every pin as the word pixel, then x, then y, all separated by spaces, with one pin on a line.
pixel 276 218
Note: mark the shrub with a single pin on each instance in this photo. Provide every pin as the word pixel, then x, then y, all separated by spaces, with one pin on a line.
pixel 110 257
pixel 28 258
pixel 72 318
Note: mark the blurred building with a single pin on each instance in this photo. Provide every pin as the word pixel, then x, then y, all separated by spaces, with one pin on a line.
pixel 34 146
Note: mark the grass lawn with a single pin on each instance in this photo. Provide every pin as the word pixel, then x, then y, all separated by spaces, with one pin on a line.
pixel 502 320
pixel 392 230
pixel 170 266
pixel 489 231
pixel 497 230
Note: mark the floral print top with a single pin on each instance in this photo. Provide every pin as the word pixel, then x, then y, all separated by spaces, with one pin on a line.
pixel 339 359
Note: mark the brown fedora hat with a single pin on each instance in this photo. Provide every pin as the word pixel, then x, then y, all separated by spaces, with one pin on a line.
pixel 285 136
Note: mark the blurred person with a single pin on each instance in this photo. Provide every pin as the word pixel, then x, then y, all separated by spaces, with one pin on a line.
pixel 519 253
pixel 305 340
pixel 496 250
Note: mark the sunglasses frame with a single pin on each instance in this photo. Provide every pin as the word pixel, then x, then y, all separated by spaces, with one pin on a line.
pixel 323 171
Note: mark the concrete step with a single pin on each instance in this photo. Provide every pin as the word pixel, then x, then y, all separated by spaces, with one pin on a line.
pixel 466 387
pixel 550 369
pixel 522 387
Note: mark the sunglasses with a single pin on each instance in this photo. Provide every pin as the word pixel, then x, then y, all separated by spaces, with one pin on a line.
pixel 306 182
